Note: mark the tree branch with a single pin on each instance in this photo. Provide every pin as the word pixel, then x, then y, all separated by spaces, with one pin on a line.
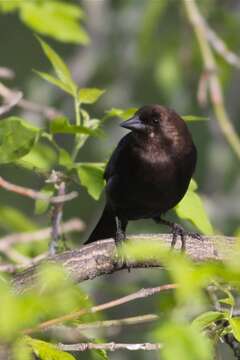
pixel 109 346
pixel 216 94
pixel 140 294
pixel 65 333
pixel 6 73
pixel 49 112
pixel 101 257
pixel 36 195
pixel 71 225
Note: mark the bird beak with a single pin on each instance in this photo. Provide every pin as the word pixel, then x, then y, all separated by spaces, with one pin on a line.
pixel 133 124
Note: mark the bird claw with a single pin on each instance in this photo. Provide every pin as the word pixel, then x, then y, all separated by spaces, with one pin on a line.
pixel 178 230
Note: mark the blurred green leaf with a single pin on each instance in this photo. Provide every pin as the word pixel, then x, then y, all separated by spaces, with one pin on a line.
pixel 227 301
pixel 89 95
pixel 41 206
pixel 168 72
pixel 193 118
pixel 46 351
pixel 9 6
pixel 191 208
pixel 207 318
pixel 99 354
pixel 41 157
pixel 182 341
pixel 59 20
pixel 123 114
pixel 91 176
pixel 235 325
pixel 54 81
pixel 59 66
pixel 14 220
pixel 17 137
pixel 151 17
pixel 21 351
pixel 65 159
pixel 61 125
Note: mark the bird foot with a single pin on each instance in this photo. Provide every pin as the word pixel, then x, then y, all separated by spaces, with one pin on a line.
pixel 178 230
pixel 120 237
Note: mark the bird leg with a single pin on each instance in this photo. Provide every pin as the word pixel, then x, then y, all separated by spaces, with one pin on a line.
pixel 121 236
pixel 120 231
pixel 178 230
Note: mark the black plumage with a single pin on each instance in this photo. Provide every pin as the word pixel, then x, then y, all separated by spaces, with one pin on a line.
pixel 148 172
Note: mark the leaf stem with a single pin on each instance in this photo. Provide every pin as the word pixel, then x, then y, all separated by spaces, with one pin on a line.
pixel 77 139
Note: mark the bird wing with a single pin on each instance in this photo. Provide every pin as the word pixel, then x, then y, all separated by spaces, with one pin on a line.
pixel 116 158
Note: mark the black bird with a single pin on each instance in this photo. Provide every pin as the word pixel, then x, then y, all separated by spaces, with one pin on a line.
pixel 148 173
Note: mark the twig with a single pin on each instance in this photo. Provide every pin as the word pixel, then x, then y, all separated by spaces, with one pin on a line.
pixel 36 195
pixel 26 237
pixel 11 102
pixel 221 48
pixel 6 73
pixel 57 213
pixel 109 346
pixel 11 268
pixel 215 88
pixel 74 333
pixel 49 112
pixel 17 257
pixel 143 293
pixel 101 258
pixel 76 330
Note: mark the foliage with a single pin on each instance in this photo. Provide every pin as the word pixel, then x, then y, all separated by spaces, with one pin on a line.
pixel 54 18
pixel 190 325
pixel 183 331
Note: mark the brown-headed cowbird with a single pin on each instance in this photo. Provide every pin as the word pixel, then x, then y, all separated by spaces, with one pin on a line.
pixel 148 173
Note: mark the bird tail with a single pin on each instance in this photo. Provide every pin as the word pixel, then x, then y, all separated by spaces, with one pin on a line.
pixel 105 228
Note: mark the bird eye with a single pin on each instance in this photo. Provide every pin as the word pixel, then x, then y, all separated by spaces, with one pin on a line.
pixel 155 120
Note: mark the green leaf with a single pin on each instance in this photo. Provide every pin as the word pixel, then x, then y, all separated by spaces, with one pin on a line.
pixel 54 81
pixel 227 301
pixel 59 66
pixel 61 125
pixel 47 351
pixel 65 159
pixel 9 6
pixel 17 137
pixel 207 318
pixel 193 118
pixel 89 95
pixel 123 114
pixel 41 206
pixel 59 20
pixel 235 325
pixel 91 176
pixel 100 354
pixel 181 341
pixel 191 208
pixel 14 220
pixel 41 157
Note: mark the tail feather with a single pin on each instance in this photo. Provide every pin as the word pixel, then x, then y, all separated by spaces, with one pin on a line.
pixel 105 228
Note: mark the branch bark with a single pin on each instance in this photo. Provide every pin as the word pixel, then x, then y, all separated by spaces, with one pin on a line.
pixel 101 257
pixel 109 346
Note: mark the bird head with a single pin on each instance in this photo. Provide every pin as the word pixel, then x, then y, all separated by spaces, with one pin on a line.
pixel 159 122
pixel 148 119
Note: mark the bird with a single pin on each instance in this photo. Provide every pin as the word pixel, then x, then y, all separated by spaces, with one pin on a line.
pixel 148 174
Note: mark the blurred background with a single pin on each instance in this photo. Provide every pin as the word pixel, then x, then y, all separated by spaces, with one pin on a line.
pixel 141 52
